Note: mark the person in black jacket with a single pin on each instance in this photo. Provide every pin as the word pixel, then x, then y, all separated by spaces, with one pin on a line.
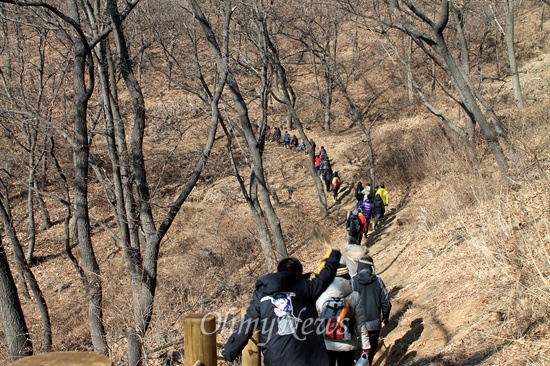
pixel 359 195
pixel 378 210
pixel 376 301
pixel 283 310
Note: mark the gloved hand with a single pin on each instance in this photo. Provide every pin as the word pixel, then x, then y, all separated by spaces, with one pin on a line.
pixel 386 321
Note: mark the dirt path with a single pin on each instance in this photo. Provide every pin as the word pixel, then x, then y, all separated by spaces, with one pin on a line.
pixel 415 333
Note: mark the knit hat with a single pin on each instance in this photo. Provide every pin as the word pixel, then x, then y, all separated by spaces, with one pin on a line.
pixel 365 263
pixel 342 270
pixel 355 213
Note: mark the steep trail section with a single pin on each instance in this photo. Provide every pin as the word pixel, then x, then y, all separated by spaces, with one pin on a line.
pixel 435 314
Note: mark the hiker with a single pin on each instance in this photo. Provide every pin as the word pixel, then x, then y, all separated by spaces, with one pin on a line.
pixel 359 195
pixel 283 310
pixel 343 314
pixel 366 191
pixel 367 208
pixel 276 137
pixel 364 226
pixel 351 255
pixel 335 185
pixel 313 145
pixel 328 179
pixel 323 153
pixel 378 210
pixel 324 166
pixel 384 195
pixel 317 163
pixel 376 301
pixel 303 147
pixel 286 139
pixel 294 143
pixel 353 227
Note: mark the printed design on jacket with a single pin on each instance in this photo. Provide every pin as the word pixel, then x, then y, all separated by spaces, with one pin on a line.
pixel 282 302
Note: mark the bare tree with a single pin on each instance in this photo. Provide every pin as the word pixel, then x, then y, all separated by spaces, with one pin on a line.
pixel 29 275
pixel 242 110
pixel 509 36
pixel 13 320
pixel 435 46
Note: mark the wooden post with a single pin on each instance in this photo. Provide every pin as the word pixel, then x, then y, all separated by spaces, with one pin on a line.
pixel 251 355
pixel 65 359
pixel 200 339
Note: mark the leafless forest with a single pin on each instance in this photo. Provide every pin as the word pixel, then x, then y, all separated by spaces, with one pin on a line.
pixel 137 184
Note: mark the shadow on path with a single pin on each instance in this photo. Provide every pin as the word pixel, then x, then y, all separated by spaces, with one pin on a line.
pixel 397 353
pixel 478 358
pixel 394 319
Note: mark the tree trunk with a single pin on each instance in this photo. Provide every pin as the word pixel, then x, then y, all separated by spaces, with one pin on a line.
pixel 470 103
pixel 29 276
pixel 13 320
pixel 516 85
pixel 328 101
pixel 82 219
pixel 255 209
pixel 252 143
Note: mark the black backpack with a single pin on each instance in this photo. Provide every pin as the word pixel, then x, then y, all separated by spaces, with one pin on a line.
pixel 354 224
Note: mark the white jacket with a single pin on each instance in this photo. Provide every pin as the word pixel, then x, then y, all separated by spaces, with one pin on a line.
pixel 341 287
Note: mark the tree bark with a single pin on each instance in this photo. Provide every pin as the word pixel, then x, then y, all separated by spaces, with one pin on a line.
pixel 82 95
pixel 13 320
pixel 516 85
pixel 29 276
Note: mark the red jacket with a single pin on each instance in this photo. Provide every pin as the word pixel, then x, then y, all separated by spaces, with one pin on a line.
pixel 364 221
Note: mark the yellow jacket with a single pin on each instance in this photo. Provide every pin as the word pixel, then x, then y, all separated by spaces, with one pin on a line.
pixel 384 195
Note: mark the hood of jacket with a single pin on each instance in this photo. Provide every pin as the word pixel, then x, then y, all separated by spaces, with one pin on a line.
pixel 339 287
pixel 365 277
pixel 277 282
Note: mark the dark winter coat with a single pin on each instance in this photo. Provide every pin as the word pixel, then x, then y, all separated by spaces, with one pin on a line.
pixel 359 195
pixel 374 296
pixel 367 208
pixel 283 310
pixel 378 205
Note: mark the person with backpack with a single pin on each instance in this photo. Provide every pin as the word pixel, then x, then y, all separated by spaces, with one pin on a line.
pixel 324 166
pixel 283 310
pixel 376 301
pixel 353 227
pixel 367 208
pixel 286 140
pixel 328 179
pixel 303 147
pixel 335 185
pixel 344 325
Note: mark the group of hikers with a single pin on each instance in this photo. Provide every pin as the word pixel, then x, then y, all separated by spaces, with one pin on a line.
pixel 370 208
pixel 324 168
pixel 322 162
pixel 332 316
pixel 290 142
